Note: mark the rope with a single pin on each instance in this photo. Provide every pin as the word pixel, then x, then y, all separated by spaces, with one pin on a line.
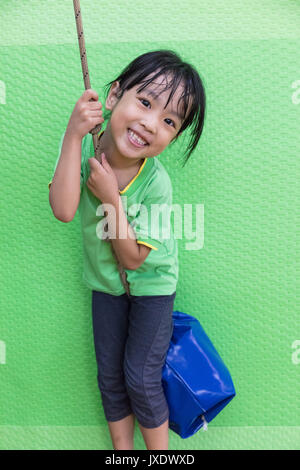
pixel 96 129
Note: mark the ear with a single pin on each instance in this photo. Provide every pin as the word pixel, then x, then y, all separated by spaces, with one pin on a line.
pixel 112 97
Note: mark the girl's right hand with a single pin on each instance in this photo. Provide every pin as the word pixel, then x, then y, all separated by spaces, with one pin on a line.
pixel 86 114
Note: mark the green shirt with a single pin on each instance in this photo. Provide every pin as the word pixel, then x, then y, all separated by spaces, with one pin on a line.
pixel 158 275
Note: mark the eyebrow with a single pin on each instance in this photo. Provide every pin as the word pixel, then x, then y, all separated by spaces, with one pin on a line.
pixel 155 96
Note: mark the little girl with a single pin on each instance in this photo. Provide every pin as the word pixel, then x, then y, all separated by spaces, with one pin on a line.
pixel 131 332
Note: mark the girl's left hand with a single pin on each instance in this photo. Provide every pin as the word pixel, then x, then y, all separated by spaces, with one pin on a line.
pixel 102 180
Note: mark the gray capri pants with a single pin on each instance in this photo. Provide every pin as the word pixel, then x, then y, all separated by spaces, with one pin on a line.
pixel 132 337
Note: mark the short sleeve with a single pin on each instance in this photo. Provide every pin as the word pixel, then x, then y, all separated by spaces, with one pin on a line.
pixel 152 225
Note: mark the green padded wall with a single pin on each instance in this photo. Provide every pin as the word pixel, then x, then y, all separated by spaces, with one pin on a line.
pixel 242 283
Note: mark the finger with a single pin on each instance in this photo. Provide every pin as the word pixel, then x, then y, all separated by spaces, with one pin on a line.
pixel 94 105
pixel 90 94
pixel 105 163
pixel 92 162
pixel 97 124
pixel 95 164
pixel 95 114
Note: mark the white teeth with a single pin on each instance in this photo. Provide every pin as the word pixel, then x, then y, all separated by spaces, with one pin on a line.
pixel 137 138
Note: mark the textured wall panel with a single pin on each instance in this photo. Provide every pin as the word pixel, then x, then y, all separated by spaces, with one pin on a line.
pixel 243 284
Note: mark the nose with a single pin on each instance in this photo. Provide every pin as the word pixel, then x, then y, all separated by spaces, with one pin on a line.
pixel 149 125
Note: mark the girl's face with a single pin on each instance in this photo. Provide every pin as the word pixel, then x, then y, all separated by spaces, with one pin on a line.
pixel 146 117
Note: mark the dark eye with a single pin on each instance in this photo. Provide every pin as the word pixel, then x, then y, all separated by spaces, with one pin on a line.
pixel 141 99
pixel 171 121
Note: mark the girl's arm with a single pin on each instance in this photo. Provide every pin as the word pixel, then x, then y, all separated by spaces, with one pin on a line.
pixel 64 195
pixel 130 254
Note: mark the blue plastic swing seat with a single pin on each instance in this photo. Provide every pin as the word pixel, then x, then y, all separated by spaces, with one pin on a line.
pixel 196 382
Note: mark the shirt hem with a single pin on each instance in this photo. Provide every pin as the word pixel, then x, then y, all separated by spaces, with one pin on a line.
pixel 134 292
pixel 153 292
pixel 90 286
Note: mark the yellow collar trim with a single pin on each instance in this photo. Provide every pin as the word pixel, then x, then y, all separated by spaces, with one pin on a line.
pixel 133 179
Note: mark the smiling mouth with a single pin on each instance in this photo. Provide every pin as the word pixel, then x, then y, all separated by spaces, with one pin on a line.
pixel 133 139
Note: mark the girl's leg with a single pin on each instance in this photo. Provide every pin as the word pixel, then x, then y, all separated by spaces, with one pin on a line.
pixel 149 334
pixel 156 438
pixel 122 432
pixel 110 325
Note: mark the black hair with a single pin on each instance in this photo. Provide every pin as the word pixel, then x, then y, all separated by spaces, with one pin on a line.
pixel 167 62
